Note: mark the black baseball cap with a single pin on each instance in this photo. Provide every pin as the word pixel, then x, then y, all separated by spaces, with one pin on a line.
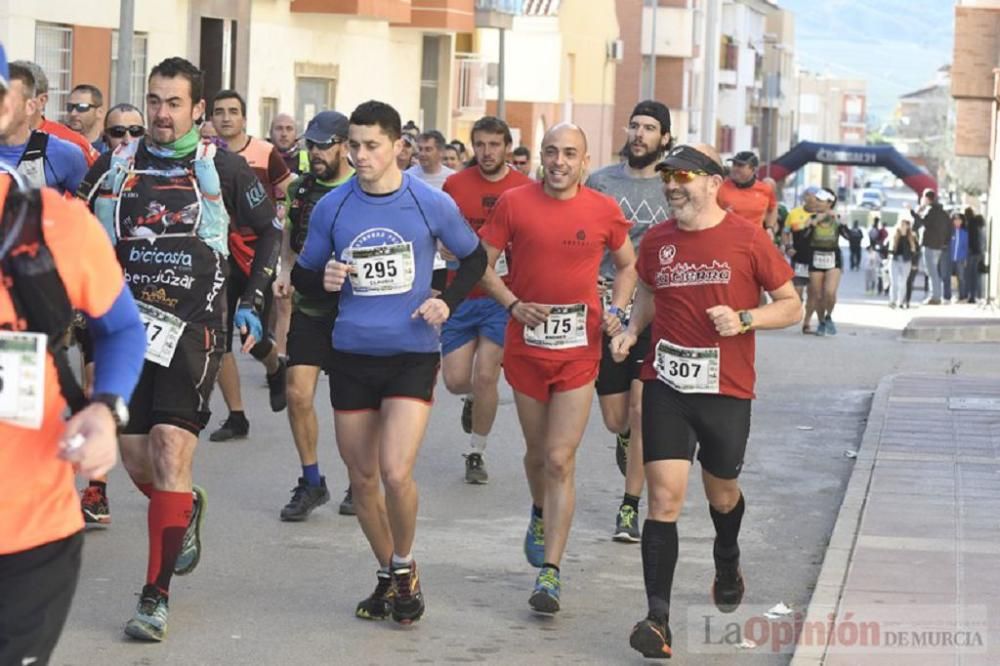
pixel 326 126
pixel 653 109
pixel 689 158
pixel 745 157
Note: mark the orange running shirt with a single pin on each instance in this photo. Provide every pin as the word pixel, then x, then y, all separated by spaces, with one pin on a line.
pixel 476 197
pixel 751 203
pixel 39 503
pixel 66 134
pixel 556 248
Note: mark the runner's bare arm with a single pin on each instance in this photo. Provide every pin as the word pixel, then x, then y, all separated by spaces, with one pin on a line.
pixel 642 315
pixel 771 219
pixel 784 310
pixel 530 314
pixel 283 283
pixel 625 275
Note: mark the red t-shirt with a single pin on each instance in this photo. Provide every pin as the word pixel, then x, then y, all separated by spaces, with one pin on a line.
pixel 691 271
pixel 74 137
pixel 556 248
pixel 752 203
pixel 476 197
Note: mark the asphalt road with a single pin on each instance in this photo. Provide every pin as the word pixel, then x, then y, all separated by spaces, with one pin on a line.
pixel 269 592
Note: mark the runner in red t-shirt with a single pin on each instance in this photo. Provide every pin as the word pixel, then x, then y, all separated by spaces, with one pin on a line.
pixel 557 232
pixel 472 338
pixel 700 276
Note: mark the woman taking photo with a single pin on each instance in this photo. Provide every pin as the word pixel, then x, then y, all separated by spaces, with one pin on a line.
pixel 905 259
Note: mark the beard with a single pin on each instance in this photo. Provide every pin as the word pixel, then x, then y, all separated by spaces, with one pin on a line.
pixel 641 161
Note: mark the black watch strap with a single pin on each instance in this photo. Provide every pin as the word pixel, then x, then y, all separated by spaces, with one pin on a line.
pixel 116 404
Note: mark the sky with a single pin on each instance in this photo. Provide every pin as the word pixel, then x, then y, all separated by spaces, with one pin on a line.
pixel 896 45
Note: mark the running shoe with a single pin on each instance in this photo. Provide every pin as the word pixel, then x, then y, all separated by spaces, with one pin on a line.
pixel 475 469
pixel 150 620
pixel 347 504
pixel 305 498
pixel 821 329
pixel 652 638
pixel 831 328
pixel 627 525
pixel 276 386
pixel 94 504
pixel 232 428
pixel 728 587
pixel 467 415
pixel 190 553
pixel 378 605
pixel 408 600
pixel 621 450
pixel 534 541
pixel 545 598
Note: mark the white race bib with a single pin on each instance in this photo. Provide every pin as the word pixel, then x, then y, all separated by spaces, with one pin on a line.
pixel 801 270
pixel 163 332
pixel 22 378
pixel 382 270
pixel 824 260
pixel 565 328
pixel 501 266
pixel 687 369
pixel 439 263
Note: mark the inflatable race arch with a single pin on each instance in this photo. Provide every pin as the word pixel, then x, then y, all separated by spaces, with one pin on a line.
pixel 833 153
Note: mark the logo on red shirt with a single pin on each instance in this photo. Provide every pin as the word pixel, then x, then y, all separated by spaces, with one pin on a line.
pixel 667 254
pixel 691 275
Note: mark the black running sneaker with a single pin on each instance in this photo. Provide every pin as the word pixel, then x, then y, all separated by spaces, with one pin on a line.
pixel 276 386
pixel 652 638
pixel 305 498
pixel 467 415
pixel 408 602
pixel 347 504
pixel 378 605
pixel 234 427
pixel 94 504
pixel 728 587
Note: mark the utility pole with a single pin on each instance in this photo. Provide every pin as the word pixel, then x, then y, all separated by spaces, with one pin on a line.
pixel 651 81
pixel 126 36
pixel 501 96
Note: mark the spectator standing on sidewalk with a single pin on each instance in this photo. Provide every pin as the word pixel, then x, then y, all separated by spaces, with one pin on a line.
pixel 976 226
pixel 932 218
pixel 904 253
pixel 953 261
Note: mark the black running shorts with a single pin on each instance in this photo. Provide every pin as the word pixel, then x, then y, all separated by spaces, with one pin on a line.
pixel 359 382
pixel 309 341
pixel 178 395
pixel 38 586
pixel 236 284
pixel 676 424
pixel 614 377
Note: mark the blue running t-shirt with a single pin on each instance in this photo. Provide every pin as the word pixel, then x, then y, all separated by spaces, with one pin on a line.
pixel 390 241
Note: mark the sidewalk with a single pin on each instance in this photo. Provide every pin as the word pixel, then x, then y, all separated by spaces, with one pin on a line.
pixel 914 558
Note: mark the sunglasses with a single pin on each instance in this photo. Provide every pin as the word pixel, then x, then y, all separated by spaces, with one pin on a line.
pixel 325 145
pixel 80 107
pixel 681 176
pixel 118 131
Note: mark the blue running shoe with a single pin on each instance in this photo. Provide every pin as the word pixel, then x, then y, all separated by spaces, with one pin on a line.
pixel 534 541
pixel 150 620
pixel 190 553
pixel 545 598
pixel 821 329
pixel 831 329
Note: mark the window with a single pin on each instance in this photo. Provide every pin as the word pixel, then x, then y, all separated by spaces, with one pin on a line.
pixel 54 54
pixel 137 87
pixel 312 95
pixel 268 110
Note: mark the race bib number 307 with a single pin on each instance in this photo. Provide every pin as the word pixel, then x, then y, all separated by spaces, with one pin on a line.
pixel 687 369
pixel 22 378
pixel 565 328
pixel 163 332
pixel 382 270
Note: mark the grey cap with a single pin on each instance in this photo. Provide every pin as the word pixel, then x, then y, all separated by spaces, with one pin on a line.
pixel 326 126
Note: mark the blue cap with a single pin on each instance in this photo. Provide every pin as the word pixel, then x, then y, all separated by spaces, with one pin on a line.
pixel 326 126
pixel 4 70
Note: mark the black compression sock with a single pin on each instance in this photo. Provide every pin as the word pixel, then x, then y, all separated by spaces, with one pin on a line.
pixel 659 559
pixel 727 530
pixel 632 501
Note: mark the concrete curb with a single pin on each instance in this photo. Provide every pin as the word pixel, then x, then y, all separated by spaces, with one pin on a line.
pixel 833 574
pixel 930 329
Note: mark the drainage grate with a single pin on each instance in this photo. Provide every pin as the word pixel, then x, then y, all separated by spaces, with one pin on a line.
pixel 974 404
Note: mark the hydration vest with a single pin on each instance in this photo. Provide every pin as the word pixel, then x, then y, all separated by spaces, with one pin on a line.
pixel 36 289
pixel 32 163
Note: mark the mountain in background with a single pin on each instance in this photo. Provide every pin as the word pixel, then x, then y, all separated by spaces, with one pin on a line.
pixel 896 45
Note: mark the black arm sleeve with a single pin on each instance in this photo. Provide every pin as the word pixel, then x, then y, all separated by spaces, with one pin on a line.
pixel 265 259
pixel 470 272
pixel 309 282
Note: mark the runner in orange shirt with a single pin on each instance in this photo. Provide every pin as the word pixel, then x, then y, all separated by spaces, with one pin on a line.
pixel 744 195
pixel 40 521
pixel 557 231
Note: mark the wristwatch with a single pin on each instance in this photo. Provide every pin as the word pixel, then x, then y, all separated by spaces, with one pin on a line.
pixel 115 403
pixel 746 320
pixel 617 311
